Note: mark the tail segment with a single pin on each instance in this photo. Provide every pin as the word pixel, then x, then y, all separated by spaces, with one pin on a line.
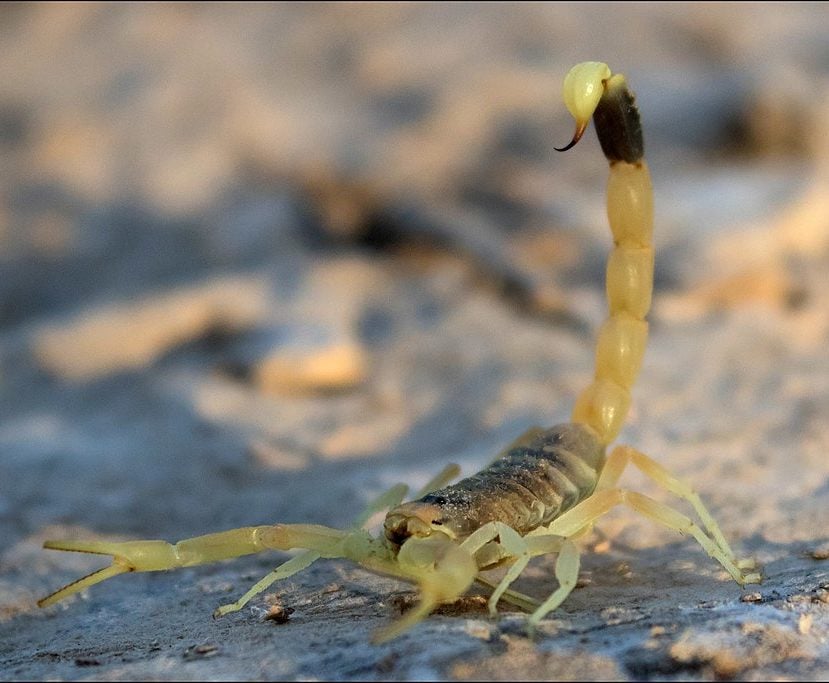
pixel 621 345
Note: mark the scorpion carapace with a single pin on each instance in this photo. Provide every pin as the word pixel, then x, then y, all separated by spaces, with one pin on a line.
pixel 543 492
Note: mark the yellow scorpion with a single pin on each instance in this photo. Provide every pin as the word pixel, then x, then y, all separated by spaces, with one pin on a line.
pixel 542 493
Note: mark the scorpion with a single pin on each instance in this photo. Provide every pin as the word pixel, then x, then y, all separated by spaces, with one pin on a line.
pixel 544 492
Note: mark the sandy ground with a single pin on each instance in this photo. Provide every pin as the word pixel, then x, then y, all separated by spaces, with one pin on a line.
pixel 260 263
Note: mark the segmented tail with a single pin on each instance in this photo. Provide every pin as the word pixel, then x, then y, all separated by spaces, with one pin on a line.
pixel 591 90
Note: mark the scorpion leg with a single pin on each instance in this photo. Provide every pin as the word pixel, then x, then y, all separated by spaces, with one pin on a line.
pixel 525 548
pixel 513 597
pixel 511 547
pixel 390 498
pixel 283 571
pixel 601 502
pixel 515 546
pixel 623 455
pixel 567 573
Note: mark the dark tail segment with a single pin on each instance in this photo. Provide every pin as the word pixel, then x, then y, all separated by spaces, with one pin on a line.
pixel 617 123
pixel 604 404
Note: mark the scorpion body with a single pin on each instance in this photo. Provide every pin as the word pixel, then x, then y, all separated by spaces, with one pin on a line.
pixel 544 492
pixel 528 487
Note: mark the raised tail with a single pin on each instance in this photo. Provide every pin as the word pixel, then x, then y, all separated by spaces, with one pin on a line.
pixel 591 90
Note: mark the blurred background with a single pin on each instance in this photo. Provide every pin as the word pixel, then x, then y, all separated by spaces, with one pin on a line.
pixel 260 262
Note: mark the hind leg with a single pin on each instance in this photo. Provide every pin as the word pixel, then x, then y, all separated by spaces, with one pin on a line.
pixel 587 512
pixel 624 455
pixel 572 524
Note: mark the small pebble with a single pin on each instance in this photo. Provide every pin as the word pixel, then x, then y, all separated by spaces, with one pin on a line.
pixel 821 553
pixel 278 614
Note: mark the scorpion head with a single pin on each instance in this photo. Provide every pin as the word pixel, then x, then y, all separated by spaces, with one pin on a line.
pixel 446 513
pixel 417 519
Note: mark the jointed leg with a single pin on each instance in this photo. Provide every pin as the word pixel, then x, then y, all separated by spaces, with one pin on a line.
pixel 510 547
pixel 283 571
pixel 573 522
pixel 513 597
pixel 599 503
pixel 619 459
pixel 394 496
pixel 567 573
pixel 517 547
pixel 296 564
